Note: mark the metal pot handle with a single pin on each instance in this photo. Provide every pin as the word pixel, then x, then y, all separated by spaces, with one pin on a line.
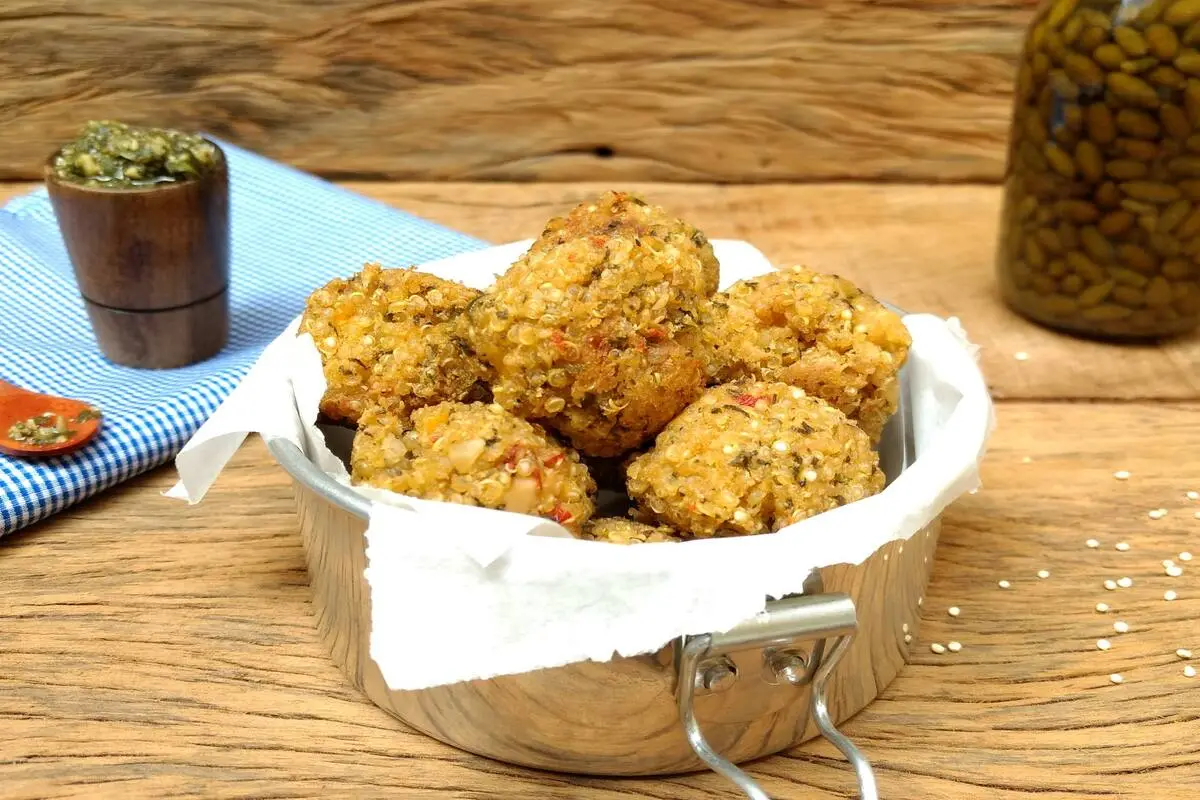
pixel 804 618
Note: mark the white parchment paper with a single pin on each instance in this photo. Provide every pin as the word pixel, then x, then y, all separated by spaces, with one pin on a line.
pixel 522 591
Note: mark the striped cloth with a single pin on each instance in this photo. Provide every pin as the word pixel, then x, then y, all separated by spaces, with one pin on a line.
pixel 291 233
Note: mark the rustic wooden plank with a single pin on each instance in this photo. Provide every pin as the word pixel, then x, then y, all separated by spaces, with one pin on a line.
pixel 152 649
pixel 923 248
pixel 712 90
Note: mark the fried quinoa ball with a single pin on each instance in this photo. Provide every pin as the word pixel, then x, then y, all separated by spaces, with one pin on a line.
pixel 750 458
pixel 815 331
pixel 619 530
pixel 594 331
pixel 630 214
pixel 475 454
pixel 391 337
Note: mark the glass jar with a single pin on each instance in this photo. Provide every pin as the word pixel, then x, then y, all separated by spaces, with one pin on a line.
pixel 1100 228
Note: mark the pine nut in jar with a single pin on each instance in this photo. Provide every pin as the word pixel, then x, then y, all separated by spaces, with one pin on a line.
pixel 1100 228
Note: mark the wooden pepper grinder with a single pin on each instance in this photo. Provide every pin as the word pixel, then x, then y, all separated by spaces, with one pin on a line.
pixel 152 264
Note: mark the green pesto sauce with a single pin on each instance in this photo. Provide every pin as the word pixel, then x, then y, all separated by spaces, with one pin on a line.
pixel 117 155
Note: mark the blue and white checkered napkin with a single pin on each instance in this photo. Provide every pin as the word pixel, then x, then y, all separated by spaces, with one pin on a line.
pixel 291 233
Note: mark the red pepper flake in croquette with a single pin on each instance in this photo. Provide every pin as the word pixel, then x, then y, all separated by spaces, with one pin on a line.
pixel 554 460
pixel 560 515
pixel 747 400
pixel 655 334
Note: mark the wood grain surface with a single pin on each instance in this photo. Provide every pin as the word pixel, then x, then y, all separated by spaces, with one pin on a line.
pixel 710 90
pixel 151 649
pixel 926 249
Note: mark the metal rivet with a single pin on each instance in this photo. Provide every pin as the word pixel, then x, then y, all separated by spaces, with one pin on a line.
pixel 716 677
pixel 790 666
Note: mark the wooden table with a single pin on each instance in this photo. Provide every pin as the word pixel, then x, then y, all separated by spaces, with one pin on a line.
pixel 155 650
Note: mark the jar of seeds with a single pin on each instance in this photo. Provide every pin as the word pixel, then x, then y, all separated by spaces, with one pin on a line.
pixel 1100 230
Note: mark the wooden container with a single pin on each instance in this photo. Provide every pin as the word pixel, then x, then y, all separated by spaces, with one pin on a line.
pixel 152 265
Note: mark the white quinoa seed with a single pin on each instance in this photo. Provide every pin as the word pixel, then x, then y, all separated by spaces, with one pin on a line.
pixel 908 638
pixel 1102 608
pixel 904 627
pixel 937 648
pixel 1004 584
pixel 1166 562
pixel 1111 585
pixel 1116 677
pixel 1189 671
pixel 1093 543
pixel 1026 460
pixel 1120 626
pixel 954 647
pixel 1196 515
pixel 1122 546
pixel 954 611
pixel 1103 644
pixel 1185 556
pixel 1169 594
pixel 1043 573
pixel 1174 571
pixel 1021 355
pixel 1157 513
pixel 1121 474
pixel 1183 653
pixel 1193 495
pixel 1125 583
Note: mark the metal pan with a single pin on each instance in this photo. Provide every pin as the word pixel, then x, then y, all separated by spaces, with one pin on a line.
pixel 795 671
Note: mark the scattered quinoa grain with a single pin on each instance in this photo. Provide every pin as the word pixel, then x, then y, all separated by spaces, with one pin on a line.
pixel 1125 583
pixel 1026 460
pixel 1102 608
pixel 1169 594
pixel 954 647
pixel 1185 556
pixel 1121 626
pixel 1183 653
pixel 1157 513
pixel 1021 355
pixel 1174 571
pixel 1121 474
pixel 954 611
pixel 1122 546
pixel 1111 585
pixel 1189 671
pixel 1103 644
pixel 904 627
pixel 1043 573
pixel 1004 584
pixel 908 638
pixel 1093 543
pixel 937 648
pixel 1116 677
pixel 1193 495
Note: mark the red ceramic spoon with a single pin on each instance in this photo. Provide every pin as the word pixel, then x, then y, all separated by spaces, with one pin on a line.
pixel 18 405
